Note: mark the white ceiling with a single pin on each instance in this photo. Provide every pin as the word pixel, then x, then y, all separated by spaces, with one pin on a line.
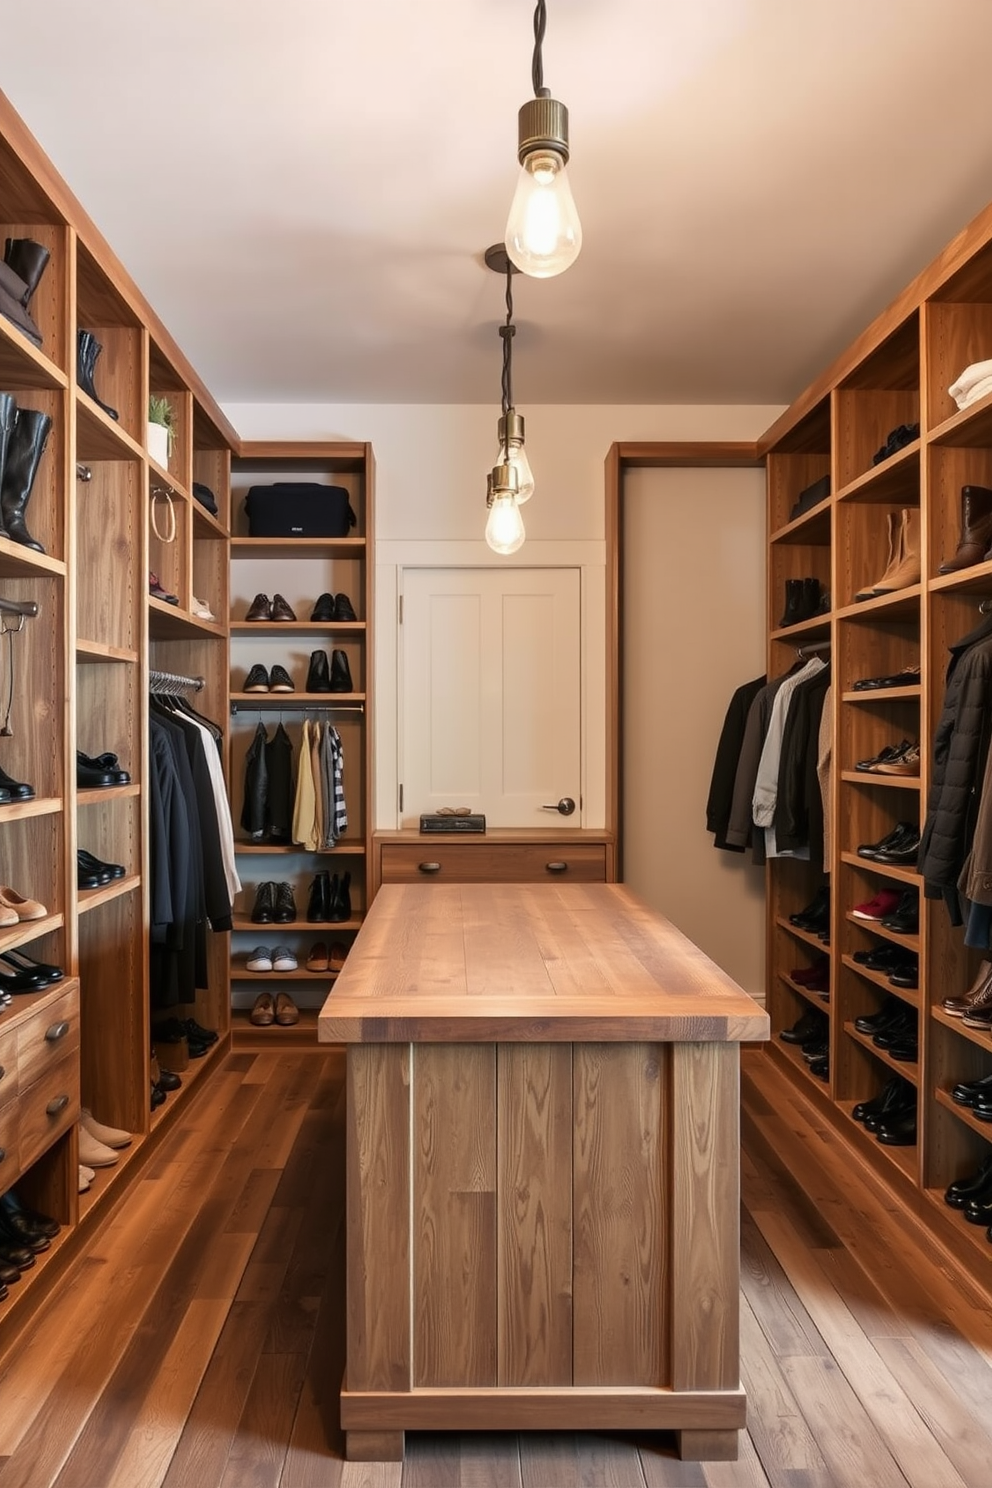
pixel 304 191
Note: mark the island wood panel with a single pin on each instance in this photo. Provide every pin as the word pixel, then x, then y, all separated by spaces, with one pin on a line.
pixel 534 1261
pixel 621 1246
pixel 454 1214
pixel 378 1217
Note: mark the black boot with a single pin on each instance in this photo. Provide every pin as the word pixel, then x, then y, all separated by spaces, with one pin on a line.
pixel 15 790
pixel 13 292
pixel 264 910
pixel 28 260
pixel 812 598
pixel 341 899
pixel 285 908
pixel 792 614
pixel 317 907
pixel 89 349
pixel 24 452
pixel 340 672
pixel 8 418
pixel 318 675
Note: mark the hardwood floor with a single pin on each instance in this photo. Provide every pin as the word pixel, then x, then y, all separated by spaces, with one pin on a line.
pixel 198 1342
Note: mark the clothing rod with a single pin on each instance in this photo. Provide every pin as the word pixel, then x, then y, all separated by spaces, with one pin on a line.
pixel 160 680
pixel 813 646
pixel 281 701
pixel 26 607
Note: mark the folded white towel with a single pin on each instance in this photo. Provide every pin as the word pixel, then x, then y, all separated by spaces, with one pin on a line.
pixel 962 391
pixel 978 391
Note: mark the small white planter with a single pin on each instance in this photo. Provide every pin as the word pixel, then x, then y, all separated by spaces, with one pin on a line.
pixel 157 443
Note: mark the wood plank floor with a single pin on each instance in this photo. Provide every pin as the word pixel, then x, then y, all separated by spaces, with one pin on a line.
pixel 198 1342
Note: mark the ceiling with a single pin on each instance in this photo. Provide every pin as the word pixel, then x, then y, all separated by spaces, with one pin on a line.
pixel 304 191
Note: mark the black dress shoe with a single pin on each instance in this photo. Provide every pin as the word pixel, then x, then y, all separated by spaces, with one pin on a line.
pixel 16 790
pixel 820 1068
pixel 284 909
pixel 975 1186
pixel 884 756
pixel 900 1131
pixel 197 1033
pixel 906 918
pixel 260 608
pixel 99 770
pixel 905 976
pixel 318 673
pixel 280 680
pixel 811 1023
pixel 264 909
pixel 9 1273
pixel 340 672
pixel 13 1231
pixel 902 854
pixel 15 979
pixel 90 874
pixel 896 1095
pixel 31 1219
pixel 97 865
pixel 892 1008
pixel 323 610
pixel 881 957
pixel 902 1101
pixel 339 907
pixel 898 834
pixel 897 1032
pixel 904 1051
pixel 17 961
pixel 968 1093
pixel 168 1080
pixel 257 679
pixel 908 677
pixel 816 916
pixel 157 1097
pixel 13 1254
pixel 343 609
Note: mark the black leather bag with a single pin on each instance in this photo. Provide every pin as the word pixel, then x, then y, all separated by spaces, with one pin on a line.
pixel 298 509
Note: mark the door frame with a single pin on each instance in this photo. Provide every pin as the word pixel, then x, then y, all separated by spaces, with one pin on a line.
pixel 657 455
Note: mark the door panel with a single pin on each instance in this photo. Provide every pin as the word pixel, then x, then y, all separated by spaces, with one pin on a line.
pixel 491 693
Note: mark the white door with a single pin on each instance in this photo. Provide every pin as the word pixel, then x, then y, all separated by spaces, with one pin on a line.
pixel 489 693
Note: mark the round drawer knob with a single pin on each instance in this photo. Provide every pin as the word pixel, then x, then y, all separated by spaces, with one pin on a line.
pixel 558 867
pixel 56 1032
pixel 428 867
pixel 57 1106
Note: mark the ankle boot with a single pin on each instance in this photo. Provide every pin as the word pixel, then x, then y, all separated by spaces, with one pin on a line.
pixel 285 904
pixel 340 672
pixel 264 909
pixel 340 907
pixel 908 570
pixel 793 603
pixel 28 260
pixel 89 349
pixel 317 905
pixel 8 418
pixel 811 603
pixel 318 675
pixel 24 452
pixel 894 520
pixel 976 529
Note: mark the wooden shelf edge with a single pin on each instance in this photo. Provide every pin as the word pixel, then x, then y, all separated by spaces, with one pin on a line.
pixel 909 1071
pixel 100 651
pixel 880 980
pixel 909 942
pixel 36 806
pixel 88 899
pixel 888 870
pixel 881 694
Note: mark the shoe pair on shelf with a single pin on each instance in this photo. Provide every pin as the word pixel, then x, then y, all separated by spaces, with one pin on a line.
pixel 14 790
pixel 804 600
pixel 333 607
pixel 894 1029
pixel 879 907
pixel 272 679
pixel 24 1232
pixel 330 898
pixel 810 1031
pixel 279 958
pixel 892 1111
pixel 908 677
pixel 973 1196
pixel 19 973
pixel 14 907
pixel 895 759
pixel 815 978
pixel 99 771
pixel 280 1009
pixel 182 1030
pixel 23 436
pixel 974 1007
pixel 157 591
pixel 336 678
pixel 902 967
pixel 24 262
pixel 904 566
pixel 327 958
pixel 815 918
pixel 976 1095
pixel 162 1081
pixel 264 608
pixel 99 1144
pixel 900 846
pixel 896 440
pixel 93 873
pixel 275 904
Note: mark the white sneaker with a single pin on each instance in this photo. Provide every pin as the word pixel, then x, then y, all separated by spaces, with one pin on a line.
pixel 110 1136
pixel 201 610
pixel 283 959
pixel 260 959
pixel 84 1182
pixel 94 1153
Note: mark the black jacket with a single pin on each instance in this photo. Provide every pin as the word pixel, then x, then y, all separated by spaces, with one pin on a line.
pixel 960 750
pixel 798 804
pixel 728 753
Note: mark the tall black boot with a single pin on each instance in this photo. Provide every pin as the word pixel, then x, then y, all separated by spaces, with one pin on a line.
pixel 318 674
pixel 89 349
pixel 340 672
pixel 8 418
pixel 792 613
pixel 341 899
pixel 29 260
pixel 24 452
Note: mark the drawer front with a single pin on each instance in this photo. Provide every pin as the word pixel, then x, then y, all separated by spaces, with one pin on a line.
pixel 494 862
pixel 9 1145
pixel 45 1038
pixel 8 1067
pixel 48 1108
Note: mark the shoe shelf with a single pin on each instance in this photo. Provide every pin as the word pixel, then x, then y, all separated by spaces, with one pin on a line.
pixel 905 994
pixel 909 1069
pixel 978 579
pixel 869 777
pixel 88 899
pixel 172 623
pixel 882 695
pixel 815 999
pixel 24 365
pixel 39 806
pixel 970 427
pixel 344 847
pixel 887 870
pixel 893 482
pixel 900 604
pixel 107 793
pixel 976 1036
pixel 806 936
pixel 297 627
pixel 205 524
pixel 812 528
pixel 99 437
pixel 963 1113
pixel 875 927
pixel 98 651
pixel 273 928
pixel 296 699
pixel 302 1034
pixel 296 547
pixel 17 935
pixel 240 973
pixel 18 562
pixel 906 1159
pixel 816 629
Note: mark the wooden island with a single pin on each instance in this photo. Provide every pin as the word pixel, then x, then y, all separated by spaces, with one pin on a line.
pixel 543 1168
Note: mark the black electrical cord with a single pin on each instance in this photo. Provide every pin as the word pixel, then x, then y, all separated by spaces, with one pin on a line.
pixel 537 66
pixel 507 332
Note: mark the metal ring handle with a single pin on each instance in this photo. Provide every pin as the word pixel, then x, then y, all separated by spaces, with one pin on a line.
pixel 56 1106
pixel 56 1032
pixel 557 867
pixel 428 867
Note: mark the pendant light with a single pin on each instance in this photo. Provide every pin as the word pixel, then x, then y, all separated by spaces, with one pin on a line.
pixel 510 482
pixel 543 232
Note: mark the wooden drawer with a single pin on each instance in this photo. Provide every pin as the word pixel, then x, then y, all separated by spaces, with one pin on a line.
pixel 9 1145
pixel 493 862
pixel 48 1107
pixel 46 1037
pixel 8 1068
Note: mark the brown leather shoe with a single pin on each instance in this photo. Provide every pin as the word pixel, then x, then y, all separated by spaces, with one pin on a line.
pixel 260 608
pixel 317 959
pixel 280 609
pixel 264 1011
pixel 287 1012
pixel 976 529
pixel 978 995
pixel 338 956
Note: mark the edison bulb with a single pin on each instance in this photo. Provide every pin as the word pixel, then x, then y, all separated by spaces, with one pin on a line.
pixel 543 232
pixel 510 432
pixel 505 526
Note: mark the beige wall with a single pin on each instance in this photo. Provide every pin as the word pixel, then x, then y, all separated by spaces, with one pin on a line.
pixel 693 600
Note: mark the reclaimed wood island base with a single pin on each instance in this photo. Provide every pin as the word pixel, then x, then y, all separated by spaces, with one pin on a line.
pixel 542 1168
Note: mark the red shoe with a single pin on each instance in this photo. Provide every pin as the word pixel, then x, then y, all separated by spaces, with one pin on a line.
pixel 883 904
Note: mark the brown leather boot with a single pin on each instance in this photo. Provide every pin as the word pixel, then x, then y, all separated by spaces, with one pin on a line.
pixel 892 562
pixel 976 529
pixel 908 570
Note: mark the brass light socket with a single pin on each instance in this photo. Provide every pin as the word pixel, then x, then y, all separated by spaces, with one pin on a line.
pixel 505 481
pixel 542 124
pixel 511 428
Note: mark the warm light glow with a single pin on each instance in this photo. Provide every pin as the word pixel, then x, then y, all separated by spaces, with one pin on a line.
pixel 543 232
pixel 517 457
pixel 505 526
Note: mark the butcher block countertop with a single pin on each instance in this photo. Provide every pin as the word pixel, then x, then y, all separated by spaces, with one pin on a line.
pixel 457 963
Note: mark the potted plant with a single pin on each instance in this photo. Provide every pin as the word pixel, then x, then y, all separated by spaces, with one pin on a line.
pixel 161 429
